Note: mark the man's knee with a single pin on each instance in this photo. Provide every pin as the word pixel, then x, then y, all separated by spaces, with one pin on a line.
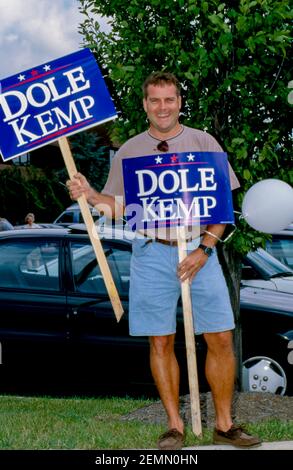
pixel 220 343
pixel 161 344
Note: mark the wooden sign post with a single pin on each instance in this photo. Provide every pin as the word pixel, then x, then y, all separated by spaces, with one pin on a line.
pixel 90 225
pixel 189 339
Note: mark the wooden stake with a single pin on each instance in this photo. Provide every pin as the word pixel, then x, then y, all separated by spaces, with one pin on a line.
pixel 189 339
pixel 94 238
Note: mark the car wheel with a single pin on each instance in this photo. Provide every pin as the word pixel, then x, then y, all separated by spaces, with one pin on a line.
pixel 263 374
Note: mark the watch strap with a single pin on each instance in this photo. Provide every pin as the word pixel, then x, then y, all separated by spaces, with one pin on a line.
pixel 206 249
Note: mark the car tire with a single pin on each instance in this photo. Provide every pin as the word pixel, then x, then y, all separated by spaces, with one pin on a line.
pixel 263 374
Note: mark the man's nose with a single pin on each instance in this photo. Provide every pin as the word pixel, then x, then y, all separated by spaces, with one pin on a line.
pixel 162 104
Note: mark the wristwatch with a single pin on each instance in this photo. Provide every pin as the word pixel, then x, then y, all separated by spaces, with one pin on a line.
pixel 206 249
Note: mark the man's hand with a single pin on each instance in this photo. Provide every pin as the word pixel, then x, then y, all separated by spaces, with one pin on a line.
pixel 104 203
pixel 190 266
pixel 78 186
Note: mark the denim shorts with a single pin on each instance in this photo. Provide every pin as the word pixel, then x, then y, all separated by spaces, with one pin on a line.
pixel 155 290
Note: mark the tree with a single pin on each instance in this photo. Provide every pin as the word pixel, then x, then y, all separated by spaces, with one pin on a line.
pixel 91 158
pixel 38 190
pixel 29 189
pixel 233 60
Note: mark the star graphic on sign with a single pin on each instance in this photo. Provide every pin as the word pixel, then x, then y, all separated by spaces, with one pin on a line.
pixel 190 157
pixel 21 77
pixel 34 72
pixel 158 159
pixel 47 67
pixel 174 158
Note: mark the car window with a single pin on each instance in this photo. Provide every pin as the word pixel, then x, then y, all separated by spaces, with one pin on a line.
pixel 95 216
pixel 69 217
pixel 282 249
pixel 266 264
pixel 29 264
pixel 66 217
pixel 87 274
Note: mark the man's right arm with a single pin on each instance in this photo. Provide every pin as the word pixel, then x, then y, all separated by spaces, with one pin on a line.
pixel 104 203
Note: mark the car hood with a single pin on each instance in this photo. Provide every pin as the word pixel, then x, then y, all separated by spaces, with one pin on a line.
pixel 265 299
pixel 280 284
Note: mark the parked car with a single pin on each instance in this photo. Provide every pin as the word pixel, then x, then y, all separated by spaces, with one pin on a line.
pixel 262 270
pixel 57 324
pixel 72 215
pixel 40 225
pixel 267 288
pixel 267 339
pixel 281 246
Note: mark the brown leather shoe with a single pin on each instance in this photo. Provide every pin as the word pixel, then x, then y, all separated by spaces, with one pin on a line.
pixel 171 440
pixel 236 436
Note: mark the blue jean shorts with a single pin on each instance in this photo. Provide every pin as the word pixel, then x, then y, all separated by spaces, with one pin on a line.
pixel 155 290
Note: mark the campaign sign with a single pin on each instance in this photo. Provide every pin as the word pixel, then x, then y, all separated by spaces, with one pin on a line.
pixel 58 98
pixel 189 188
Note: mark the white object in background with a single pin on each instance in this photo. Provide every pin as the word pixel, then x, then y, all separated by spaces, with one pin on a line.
pixel 268 205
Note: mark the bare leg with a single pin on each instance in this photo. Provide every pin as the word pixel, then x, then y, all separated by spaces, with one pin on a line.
pixel 165 371
pixel 220 374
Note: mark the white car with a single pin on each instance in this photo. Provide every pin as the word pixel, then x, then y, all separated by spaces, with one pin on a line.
pixel 281 246
pixel 263 271
pixel 72 215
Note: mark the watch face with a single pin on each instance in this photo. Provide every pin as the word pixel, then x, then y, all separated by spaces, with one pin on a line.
pixel 206 249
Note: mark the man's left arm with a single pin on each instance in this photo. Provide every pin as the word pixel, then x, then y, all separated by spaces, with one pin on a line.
pixel 193 262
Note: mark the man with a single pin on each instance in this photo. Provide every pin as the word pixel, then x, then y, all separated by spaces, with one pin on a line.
pixel 156 273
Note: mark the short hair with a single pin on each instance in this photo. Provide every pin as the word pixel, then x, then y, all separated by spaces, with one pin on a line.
pixel 159 78
pixel 29 215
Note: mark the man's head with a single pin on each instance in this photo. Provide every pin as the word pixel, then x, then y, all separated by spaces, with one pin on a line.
pixel 162 104
pixel 160 79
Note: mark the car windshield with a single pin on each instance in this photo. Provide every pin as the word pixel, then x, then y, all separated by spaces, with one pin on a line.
pixel 267 265
pixel 282 249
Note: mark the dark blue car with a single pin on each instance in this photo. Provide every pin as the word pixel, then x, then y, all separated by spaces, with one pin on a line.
pixel 58 331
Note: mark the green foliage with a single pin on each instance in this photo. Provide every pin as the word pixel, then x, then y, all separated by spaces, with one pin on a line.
pixel 233 60
pixel 90 158
pixel 28 189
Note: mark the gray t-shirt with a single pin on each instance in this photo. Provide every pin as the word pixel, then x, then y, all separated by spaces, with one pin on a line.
pixel 189 140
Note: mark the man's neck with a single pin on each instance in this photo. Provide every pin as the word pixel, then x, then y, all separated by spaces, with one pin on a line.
pixel 161 135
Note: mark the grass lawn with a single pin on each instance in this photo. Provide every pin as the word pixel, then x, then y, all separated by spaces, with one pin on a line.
pixel 38 423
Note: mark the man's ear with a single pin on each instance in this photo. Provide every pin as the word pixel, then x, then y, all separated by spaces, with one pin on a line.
pixel 180 101
pixel 144 104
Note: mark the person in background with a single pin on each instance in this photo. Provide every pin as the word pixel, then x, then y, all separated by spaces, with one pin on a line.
pixel 5 225
pixel 30 221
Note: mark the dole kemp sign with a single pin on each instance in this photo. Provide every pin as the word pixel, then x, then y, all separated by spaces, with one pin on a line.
pixel 57 98
pixel 188 188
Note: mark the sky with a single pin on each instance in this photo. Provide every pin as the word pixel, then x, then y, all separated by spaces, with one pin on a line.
pixel 33 32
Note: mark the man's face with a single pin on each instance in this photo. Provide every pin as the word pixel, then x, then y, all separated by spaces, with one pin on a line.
pixel 162 106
